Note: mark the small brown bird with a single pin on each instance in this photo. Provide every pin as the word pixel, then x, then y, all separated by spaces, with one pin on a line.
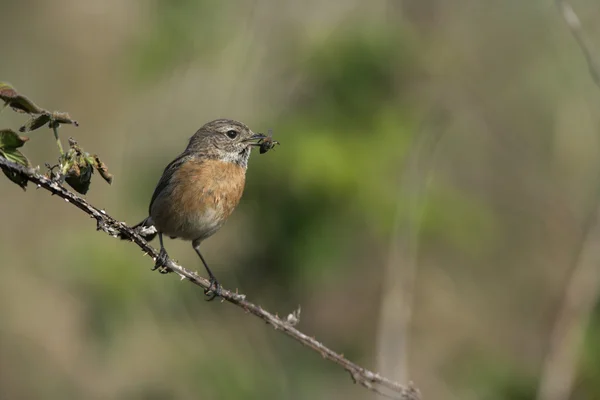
pixel 201 188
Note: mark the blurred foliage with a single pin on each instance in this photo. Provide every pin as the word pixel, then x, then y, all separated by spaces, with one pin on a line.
pixel 336 176
pixel 587 385
pixel 179 31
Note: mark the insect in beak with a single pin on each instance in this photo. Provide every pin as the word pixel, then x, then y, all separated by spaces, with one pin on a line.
pixel 267 143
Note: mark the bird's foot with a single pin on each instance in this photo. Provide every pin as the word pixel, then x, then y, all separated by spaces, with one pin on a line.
pixel 161 262
pixel 210 292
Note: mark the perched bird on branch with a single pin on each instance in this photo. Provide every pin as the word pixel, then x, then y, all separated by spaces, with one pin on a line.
pixel 199 190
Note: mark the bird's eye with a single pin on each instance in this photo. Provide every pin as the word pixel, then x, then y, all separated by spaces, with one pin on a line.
pixel 232 134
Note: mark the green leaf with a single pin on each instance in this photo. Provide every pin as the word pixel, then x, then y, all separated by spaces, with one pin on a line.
pixel 35 123
pixel 9 139
pixel 17 157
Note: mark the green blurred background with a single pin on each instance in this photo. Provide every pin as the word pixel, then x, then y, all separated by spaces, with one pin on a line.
pixel 439 162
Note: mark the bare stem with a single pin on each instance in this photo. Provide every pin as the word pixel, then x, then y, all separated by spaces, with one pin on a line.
pixel 574 24
pixel 58 143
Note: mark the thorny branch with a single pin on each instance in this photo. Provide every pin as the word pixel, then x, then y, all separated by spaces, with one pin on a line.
pixel 111 226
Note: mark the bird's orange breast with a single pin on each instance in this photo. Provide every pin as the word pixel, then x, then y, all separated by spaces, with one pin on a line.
pixel 209 184
pixel 200 196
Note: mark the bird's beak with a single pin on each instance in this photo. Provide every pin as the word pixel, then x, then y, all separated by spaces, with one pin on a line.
pixel 256 136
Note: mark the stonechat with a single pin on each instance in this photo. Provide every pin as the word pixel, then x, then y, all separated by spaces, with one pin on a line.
pixel 199 190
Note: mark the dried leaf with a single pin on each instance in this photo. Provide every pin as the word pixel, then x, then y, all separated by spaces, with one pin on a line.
pixel 79 175
pixel 78 184
pixel 23 104
pixel 75 171
pixel 10 139
pixel 17 101
pixel 16 177
pixel 35 123
pixel 62 118
pixel 78 167
pixel 7 92
pixel 103 170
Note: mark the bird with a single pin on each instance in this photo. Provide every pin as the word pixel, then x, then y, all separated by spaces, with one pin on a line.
pixel 199 190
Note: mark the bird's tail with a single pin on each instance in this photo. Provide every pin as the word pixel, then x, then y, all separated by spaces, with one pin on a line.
pixel 145 229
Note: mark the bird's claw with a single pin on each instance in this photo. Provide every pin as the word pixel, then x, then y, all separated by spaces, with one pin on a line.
pixel 211 293
pixel 161 262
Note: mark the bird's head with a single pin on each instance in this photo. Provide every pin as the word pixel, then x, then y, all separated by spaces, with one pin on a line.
pixel 226 140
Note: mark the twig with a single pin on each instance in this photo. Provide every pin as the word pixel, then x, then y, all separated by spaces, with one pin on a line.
pixel 580 296
pixel 583 289
pixel 574 24
pixel 58 143
pixel 111 226
pixel 401 271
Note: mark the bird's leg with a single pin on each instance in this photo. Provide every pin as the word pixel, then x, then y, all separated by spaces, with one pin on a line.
pixel 163 257
pixel 211 294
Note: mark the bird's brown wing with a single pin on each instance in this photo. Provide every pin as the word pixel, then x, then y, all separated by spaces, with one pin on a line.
pixel 167 176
